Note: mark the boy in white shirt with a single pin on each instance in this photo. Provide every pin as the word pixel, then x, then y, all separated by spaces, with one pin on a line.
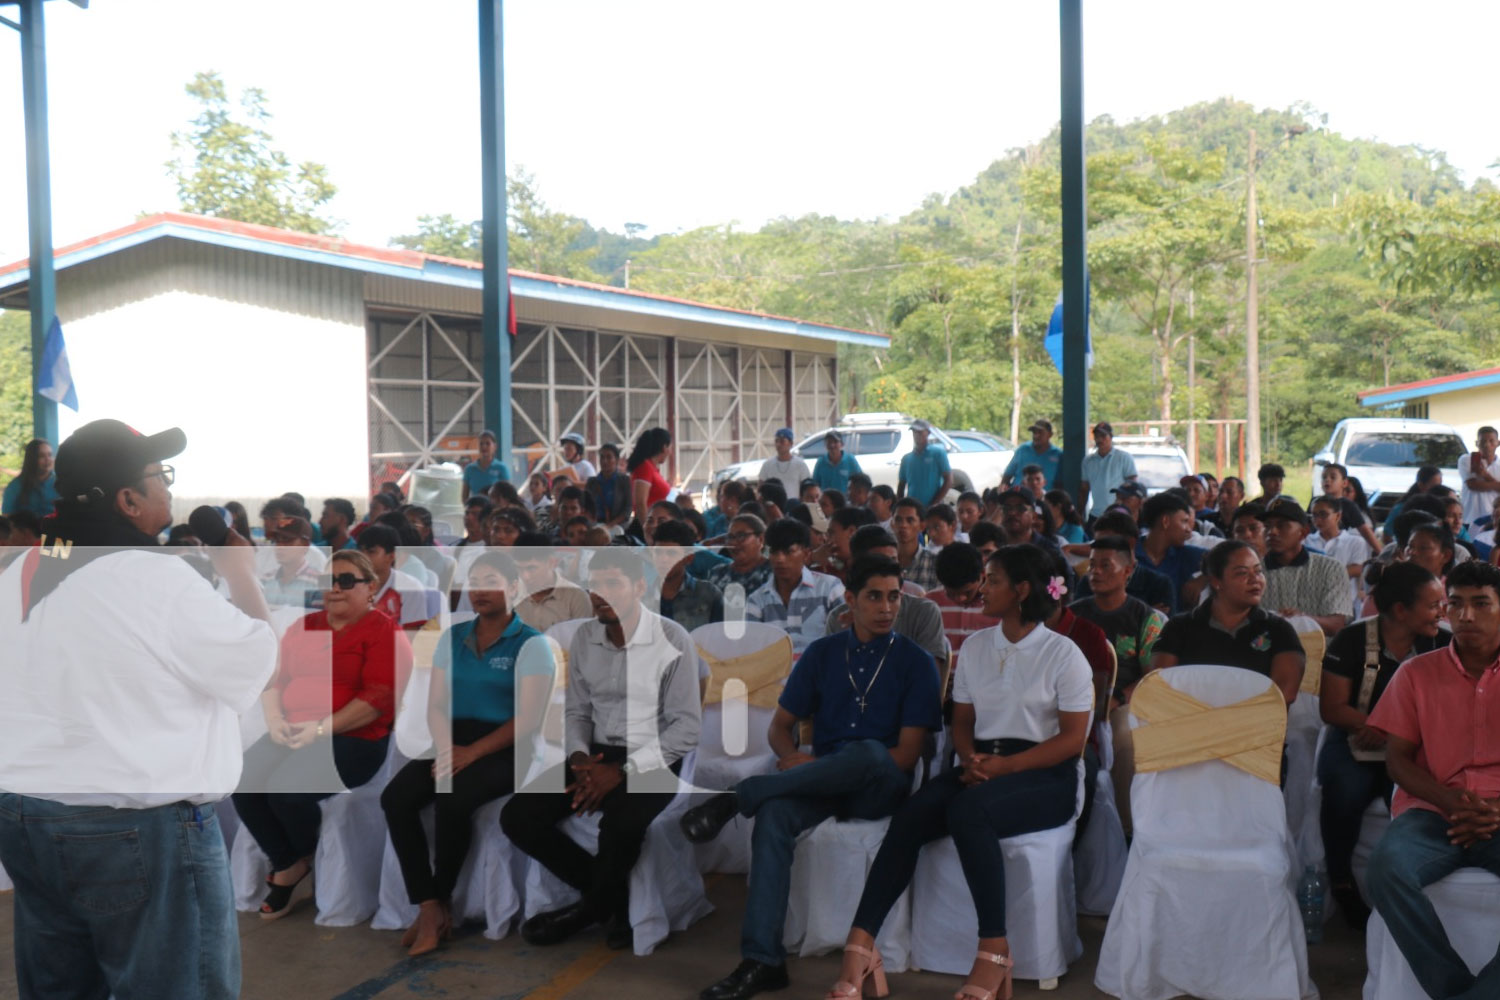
pixel 1351 550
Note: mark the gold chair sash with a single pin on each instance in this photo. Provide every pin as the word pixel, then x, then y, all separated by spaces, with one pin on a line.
pixel 762 673
pixel 1314 645
pixel 1183 730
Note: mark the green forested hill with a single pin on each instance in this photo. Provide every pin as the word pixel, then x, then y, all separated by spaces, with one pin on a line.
pixel 965 282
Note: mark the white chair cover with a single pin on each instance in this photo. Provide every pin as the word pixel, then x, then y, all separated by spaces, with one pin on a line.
pixel 829 866
pixel 666 890
pixel 1207 905
pixel 1040 903
pixel 1465 902
pixel 1099 857
pixel 718 769
pixel 5 882
pixel 1304 725
pixel 346 867
pixel 490 885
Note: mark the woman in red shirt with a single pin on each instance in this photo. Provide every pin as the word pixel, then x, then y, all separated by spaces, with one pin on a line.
pixel 647 485
pixel 340 675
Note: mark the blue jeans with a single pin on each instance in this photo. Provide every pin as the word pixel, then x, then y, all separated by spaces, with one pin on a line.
pixel 859 781
pixel 1414 853
pixel 130 902
pixel 1349 786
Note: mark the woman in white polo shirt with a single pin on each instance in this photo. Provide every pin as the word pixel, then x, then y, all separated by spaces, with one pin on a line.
pixel 1023 697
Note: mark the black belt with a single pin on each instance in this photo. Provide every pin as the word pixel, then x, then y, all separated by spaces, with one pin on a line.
pixel 1003 748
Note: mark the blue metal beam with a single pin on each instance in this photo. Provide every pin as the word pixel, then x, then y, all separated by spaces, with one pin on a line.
pixel 1074 250
pixel 496 289
pixel 42 290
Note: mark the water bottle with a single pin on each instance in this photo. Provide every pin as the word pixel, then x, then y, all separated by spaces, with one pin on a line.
pixel 1310 901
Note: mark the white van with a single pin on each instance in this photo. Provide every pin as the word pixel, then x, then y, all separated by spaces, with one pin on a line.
pixel 1384 454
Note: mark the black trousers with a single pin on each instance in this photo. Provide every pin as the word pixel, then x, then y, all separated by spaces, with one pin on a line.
pixel 530 820
pixel 285 823
pixel 414 788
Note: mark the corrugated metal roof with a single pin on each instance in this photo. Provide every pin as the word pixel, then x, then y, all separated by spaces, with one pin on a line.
pixel 1387 395
pixel 416 266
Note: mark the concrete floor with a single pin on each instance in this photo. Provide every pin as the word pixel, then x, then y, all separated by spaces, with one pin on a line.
pixel 293 959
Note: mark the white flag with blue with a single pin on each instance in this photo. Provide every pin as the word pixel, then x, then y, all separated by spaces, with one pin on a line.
pixel 55 377
pixel 1054 341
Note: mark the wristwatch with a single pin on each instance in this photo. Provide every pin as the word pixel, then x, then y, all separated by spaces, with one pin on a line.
pixel 319 730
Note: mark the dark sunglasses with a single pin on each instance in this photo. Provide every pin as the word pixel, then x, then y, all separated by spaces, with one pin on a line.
pixel 343 581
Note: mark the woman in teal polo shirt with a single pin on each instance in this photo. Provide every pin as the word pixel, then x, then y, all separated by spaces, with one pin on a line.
pixel 34 489
pixel 482 668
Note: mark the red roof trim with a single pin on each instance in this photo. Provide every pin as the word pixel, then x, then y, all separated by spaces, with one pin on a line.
pixel 413 259
pixel 1428 382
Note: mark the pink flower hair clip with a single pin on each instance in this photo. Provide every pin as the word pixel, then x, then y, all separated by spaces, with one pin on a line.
pixel 1056 588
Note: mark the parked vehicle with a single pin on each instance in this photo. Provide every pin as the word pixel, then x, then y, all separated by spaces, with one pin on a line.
pixel 879 441
pixel 1160 462
pixel 1384 454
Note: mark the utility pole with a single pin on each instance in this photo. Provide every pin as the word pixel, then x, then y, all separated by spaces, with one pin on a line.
pixel 1252 320
pixel 627 272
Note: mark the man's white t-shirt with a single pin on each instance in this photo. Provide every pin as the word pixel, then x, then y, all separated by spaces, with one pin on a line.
pixel 1349 548
pixel 1477 503
pixel 125 686
pixel 790 473
pixel 584 469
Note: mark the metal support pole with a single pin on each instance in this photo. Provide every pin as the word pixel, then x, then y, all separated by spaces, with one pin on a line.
pixel 42 282
pixel 1074 249
pixel 496 292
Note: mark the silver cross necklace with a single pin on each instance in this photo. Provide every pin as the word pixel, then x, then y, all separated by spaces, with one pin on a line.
pixel 864 696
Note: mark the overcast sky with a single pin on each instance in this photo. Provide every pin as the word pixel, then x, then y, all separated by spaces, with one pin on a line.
pixel 683 114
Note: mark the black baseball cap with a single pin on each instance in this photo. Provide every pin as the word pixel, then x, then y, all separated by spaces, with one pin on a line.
pixel 1131 488
pixel 1285 508
pixel 103 456
pixel 1018 491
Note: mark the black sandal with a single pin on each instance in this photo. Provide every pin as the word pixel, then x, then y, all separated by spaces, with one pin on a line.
pixel 282 898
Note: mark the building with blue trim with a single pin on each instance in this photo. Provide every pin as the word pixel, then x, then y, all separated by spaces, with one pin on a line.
pixel 308 363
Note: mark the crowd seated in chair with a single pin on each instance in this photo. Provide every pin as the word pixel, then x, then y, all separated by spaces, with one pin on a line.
pixel 612 768
pixel 872 695
pixel 495 672
pixel 1023 699
pixel 1443 752
pixel 287 773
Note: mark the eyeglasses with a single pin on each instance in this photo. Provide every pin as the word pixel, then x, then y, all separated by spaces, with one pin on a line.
pixel 168 475
pixel 740 536
pixel 341 581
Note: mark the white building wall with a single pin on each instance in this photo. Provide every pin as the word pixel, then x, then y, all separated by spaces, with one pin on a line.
pixel 271 400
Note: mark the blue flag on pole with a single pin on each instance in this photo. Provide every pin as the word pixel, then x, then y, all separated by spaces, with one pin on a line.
pixel 55 377
pixel 1054 341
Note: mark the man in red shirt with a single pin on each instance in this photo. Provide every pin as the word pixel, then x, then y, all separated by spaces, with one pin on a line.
pixel 960 568
pixel 1441 715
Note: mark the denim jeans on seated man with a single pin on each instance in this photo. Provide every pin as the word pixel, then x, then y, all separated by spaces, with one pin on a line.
pixel 872 695
pixel 859 781
pixel 1415 852
pixel 149 909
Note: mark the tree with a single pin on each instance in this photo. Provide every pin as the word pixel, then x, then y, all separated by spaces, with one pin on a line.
pixel 225 165
pixel 445 236
pixel 15 386
pixel 1451 246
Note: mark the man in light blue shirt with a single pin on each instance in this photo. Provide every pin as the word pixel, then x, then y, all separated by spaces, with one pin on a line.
pixel 925 475
pixel 832 471
pixel 1038 451
pixel 1105 468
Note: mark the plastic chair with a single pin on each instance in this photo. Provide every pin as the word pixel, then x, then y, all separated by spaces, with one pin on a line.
pixel 1304 726
pixel 1465 902
pixel 1040 903
pixel 1206 907
pixel 726 758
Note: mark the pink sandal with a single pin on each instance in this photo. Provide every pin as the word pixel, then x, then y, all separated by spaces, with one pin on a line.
pixel 871 981
pixel 1002 991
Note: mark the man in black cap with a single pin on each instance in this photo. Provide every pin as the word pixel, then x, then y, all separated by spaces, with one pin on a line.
pixel 1021 521
pixel 1038 451
pixel 1300 582
pixel 111 766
